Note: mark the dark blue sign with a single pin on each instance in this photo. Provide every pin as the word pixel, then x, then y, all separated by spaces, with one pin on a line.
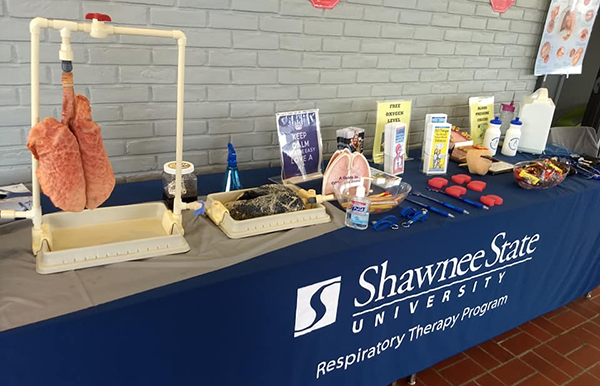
pixel 300 143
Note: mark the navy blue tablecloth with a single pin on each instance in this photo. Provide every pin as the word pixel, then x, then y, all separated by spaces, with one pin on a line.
pixel 346 308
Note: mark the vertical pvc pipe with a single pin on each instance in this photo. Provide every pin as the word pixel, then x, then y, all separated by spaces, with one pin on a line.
pixel 35 118
pixel 178 204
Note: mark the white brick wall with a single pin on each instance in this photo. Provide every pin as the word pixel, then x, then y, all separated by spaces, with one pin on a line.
pixel 246 60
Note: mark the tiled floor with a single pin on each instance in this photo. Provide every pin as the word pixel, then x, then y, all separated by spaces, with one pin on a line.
pixel 559 348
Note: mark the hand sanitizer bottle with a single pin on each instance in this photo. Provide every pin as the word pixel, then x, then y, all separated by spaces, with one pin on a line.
pixel 357 214
pixel 511 141
pixel 492 136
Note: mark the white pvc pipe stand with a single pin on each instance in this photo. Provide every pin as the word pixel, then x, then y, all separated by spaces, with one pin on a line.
pixel 97 29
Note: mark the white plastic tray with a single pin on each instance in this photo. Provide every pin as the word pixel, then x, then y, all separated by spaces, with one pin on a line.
pixel 235 229
pixel 105 236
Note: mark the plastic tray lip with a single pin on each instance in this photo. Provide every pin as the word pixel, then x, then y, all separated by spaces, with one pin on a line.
pixel 91 248
pixel 52 218
pixel 49 261
pixel 44 267
pixel 238 235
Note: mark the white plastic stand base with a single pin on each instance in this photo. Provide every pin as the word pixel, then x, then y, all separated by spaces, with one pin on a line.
pixel 69 241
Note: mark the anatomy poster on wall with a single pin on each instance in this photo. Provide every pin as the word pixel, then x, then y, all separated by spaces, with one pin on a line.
pixel 565 37
pixel 301 145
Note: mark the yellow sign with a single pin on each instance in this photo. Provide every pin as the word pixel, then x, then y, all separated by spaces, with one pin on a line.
pixel 389 112
pixel 481 113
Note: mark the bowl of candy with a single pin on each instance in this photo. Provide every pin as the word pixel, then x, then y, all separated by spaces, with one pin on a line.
pixel 540 173
pixel 385 191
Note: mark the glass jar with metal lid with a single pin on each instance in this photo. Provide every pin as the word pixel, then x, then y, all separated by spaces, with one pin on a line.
pixel 189 183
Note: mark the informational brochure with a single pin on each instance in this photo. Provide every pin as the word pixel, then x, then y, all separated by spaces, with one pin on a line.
pixel 395 148
pixel 428 132
pixel 301 145
pixel 565 37
pixel 436 153
pixel 389 112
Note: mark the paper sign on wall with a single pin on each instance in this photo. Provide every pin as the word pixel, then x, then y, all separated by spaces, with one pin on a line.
pixel 565 37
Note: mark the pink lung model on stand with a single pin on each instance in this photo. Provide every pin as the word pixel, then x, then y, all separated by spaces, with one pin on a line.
pixel 501 6
pixel 324 4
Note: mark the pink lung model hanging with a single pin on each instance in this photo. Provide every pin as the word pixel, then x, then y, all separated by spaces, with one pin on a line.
pixel 501 6
pixel 324 4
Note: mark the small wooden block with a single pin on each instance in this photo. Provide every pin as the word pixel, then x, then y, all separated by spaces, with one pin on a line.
pixel 456 190
pixel 437 182
pixel 477 186
pixel 461 179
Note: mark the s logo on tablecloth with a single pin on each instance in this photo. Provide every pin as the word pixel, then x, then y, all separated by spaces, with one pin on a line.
pixel 317 305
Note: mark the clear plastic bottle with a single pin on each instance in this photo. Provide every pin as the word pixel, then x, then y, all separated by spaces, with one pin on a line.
pixel 507 113
pixel 492 136
pixel 357 214
pixel 511 141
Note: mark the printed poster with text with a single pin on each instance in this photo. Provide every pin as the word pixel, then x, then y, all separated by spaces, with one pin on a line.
pixel 389 112
pixel 301 145
pixel 565 37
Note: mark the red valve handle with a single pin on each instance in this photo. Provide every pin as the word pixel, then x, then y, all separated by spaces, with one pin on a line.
pixel 98 16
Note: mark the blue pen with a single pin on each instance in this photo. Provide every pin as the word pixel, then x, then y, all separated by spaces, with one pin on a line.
pixel 446 204
pixel 431 208
pixel 465 200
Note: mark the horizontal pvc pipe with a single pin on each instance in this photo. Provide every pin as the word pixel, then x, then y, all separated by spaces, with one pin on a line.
pixel 40 22
pixel 12 214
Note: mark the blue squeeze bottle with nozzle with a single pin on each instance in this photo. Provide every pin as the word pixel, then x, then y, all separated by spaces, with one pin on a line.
pixel 232 177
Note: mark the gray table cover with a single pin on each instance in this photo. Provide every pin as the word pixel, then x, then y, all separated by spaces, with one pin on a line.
pixel 28 297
